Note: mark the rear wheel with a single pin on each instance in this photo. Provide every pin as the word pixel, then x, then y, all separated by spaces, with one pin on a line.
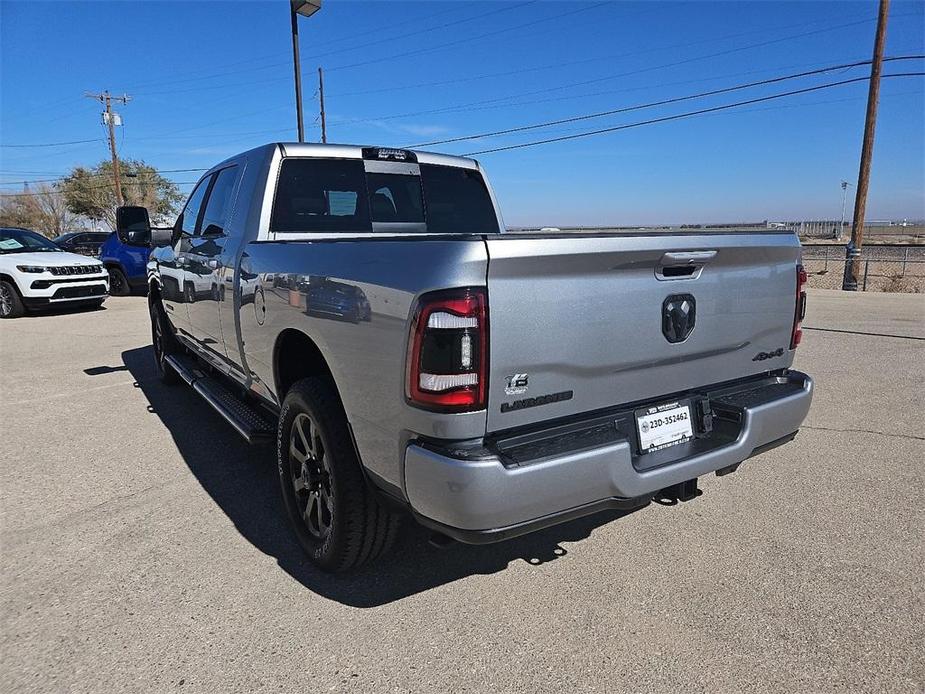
pixel 118 282
pixel 336 517
pixel 10 304
pixel 164 343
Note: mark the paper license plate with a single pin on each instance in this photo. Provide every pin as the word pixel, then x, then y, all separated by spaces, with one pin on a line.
pixel 665 425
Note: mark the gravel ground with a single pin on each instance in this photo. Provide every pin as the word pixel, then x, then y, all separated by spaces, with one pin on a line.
pixel 143 547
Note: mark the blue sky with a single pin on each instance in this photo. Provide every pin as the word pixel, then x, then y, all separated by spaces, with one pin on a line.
pixel 211 79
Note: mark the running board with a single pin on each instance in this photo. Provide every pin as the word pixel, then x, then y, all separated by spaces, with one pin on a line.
pixel 247 420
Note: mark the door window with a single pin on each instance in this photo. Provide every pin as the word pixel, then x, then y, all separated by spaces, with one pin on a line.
pixel 193 205
pixel 220 203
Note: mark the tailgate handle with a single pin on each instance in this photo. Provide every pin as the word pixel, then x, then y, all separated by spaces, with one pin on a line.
pixel 683 264
pixel 688 258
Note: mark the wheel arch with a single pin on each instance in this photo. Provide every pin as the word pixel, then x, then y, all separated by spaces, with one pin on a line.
pixel 297 356
pixel 114 264
pixel 9 279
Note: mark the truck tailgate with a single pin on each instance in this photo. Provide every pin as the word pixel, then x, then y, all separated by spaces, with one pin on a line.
pixel 577 321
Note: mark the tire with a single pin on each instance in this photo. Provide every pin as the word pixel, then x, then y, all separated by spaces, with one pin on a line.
pixel 335 515
pixel 164 342
pixel 118 282
pixel 11 305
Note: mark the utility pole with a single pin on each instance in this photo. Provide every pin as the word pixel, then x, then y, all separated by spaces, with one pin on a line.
pixel 324 130
pixel 853 252
pixel 110 119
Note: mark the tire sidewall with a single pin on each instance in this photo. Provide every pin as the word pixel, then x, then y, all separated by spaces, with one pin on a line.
pixel 16 305
pixel 329 552
pixel 118 282
pixel 164 372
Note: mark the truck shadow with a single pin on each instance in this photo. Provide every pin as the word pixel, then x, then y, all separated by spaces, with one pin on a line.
pixel 242 480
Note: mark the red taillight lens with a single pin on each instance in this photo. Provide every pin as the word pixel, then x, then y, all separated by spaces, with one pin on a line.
pixel 448 351
pixel 800 311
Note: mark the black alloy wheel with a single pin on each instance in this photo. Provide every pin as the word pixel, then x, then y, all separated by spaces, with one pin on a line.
pixel 311 477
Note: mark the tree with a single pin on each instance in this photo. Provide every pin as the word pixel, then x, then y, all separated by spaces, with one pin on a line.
pixel 91 192
pixel 41 208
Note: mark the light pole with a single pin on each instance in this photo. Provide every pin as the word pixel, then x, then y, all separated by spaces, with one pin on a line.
pixel 306 8
pixel 844 205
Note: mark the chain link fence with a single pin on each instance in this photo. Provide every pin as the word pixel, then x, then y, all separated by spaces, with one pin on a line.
pixel 883 268
pixel 834 229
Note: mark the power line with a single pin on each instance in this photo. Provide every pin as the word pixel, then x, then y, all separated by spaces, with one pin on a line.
pixel 93 175
pixel 662 102
pixel 105 185
pixel 689 114
pixel 468 39
pixel 250 61
pixel 583 61
pixel 651 68
pixel 53 144
pixel 388 39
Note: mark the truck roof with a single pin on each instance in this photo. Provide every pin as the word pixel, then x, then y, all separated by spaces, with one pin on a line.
pixel 336 151
pixel 313 149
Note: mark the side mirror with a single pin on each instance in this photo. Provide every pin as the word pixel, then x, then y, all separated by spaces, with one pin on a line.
pixel 161 237
pixel 133 226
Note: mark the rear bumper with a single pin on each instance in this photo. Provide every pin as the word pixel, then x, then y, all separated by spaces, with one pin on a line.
pixel 486 497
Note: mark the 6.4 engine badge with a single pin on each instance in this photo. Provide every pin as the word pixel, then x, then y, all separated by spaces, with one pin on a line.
pixel 516 384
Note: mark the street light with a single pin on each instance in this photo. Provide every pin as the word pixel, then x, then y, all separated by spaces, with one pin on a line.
pixel 844 203
pixel 306 8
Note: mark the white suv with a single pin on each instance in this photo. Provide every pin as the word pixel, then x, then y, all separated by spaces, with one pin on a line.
pixel 35 273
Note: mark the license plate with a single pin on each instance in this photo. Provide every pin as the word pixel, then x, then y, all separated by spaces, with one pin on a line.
pixel 665 425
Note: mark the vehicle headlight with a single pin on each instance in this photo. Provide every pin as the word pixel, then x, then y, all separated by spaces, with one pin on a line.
pixel 30 268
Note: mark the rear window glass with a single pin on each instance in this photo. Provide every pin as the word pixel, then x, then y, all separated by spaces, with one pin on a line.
pixel 395 198
pixel 457 201
pixel 321 195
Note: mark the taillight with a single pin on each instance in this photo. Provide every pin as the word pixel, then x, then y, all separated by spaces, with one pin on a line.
pixel 448 351
pixel 800 310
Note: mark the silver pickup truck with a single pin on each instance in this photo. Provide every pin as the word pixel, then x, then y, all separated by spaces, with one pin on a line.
pixel 366 308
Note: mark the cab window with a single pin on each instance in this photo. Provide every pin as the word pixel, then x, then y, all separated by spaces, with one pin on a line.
pixel 193 205
pixel 220 203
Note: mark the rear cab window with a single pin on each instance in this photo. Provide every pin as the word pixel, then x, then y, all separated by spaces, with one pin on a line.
pixel 357 196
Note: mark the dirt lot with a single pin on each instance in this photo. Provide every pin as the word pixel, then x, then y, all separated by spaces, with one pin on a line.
pixel 143 547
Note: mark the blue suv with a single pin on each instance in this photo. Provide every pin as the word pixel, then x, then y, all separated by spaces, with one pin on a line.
pixel 126 259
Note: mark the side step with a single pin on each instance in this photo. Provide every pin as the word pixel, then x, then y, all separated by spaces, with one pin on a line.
pixel 247 421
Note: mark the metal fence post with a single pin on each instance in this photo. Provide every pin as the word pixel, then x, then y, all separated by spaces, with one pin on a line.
pixel 905 257
pixel 866 266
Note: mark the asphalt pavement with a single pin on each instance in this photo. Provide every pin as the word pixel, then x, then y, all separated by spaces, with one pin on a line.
pixel 144 549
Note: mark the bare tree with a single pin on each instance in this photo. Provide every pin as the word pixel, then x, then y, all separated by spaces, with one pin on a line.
pixel 42 208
